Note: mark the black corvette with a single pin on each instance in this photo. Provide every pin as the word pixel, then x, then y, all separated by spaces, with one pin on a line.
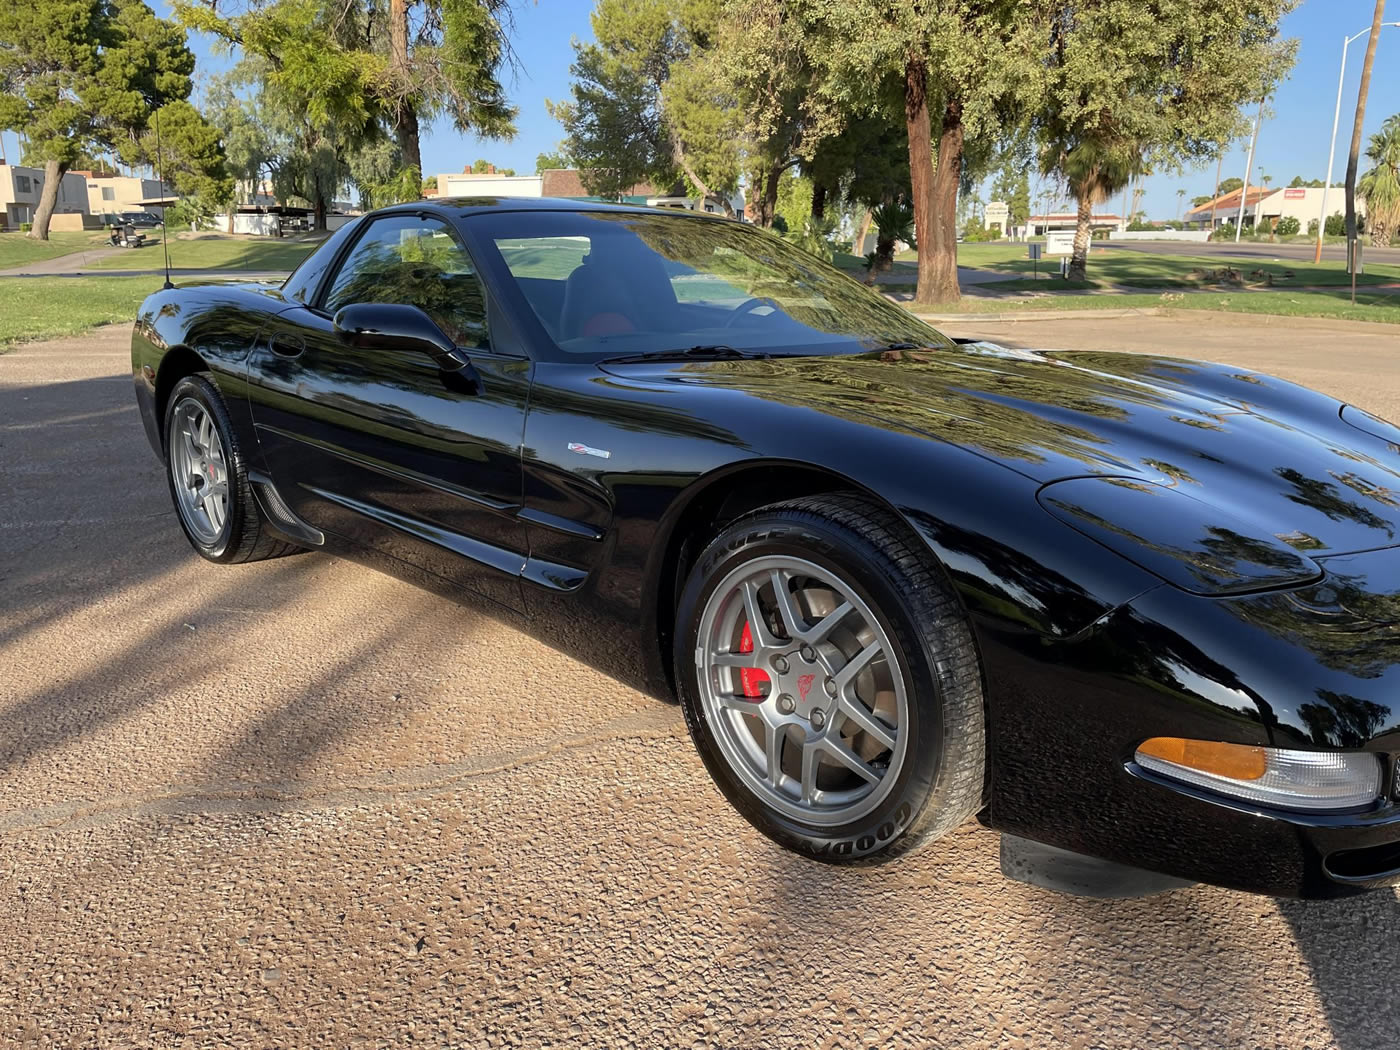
pixel 1143 610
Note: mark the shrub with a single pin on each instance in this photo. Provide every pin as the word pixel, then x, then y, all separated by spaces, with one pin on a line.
pixel 193 211
pixel 780 224
pixel 1288 226
pixel 1312 227
pixel 25 227
pixel 1337 224
pixel 814 237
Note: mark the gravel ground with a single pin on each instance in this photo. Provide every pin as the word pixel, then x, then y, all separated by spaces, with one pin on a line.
pixel 301 804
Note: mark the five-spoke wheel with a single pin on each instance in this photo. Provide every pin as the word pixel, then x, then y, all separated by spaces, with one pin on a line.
pixel 829 679
pixel 199 470
pixel 803 688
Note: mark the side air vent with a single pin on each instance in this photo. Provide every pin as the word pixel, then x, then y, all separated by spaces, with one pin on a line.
pixel 282 515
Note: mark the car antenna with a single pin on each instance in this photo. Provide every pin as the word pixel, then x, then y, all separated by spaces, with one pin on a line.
pixel 164 236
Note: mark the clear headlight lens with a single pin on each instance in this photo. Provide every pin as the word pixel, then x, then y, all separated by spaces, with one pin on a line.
pixel 1284 779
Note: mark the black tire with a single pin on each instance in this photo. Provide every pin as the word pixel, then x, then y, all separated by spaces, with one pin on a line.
pixel 245 535
pixel 940 782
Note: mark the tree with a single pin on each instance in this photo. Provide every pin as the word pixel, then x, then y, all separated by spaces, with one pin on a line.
pixel 248 148
pixel 1180 194
pixel 558 159
pixel 649 101
pixel 1013 185
pixel 446 58
pixel 1299 183
pixel 963 71
pixel 1380 184
pixel 481 166
pixel 1230 185
pixel 1353 154
pixel 1131 87
pixel 318 92
pixel 1204 198
pixel 188 152
pixel 81 78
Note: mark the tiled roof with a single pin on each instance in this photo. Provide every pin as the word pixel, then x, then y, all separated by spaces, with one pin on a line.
pixel 568 182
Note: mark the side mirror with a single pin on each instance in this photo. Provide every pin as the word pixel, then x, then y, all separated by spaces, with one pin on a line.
pixel 397 326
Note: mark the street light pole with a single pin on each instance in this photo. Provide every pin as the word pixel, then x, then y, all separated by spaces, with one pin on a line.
pixel 1332 150
pixel 1248 161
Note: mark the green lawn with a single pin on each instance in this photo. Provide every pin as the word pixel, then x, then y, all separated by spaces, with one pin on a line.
pixel 1336 305
pixel 1136 269
pixel 16 249
pixel 214 252
pixel 44 307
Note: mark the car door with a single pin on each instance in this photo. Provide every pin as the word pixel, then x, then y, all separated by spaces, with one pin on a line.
pixel 384 447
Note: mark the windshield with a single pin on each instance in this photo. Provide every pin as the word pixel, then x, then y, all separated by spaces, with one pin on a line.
pixel 609 284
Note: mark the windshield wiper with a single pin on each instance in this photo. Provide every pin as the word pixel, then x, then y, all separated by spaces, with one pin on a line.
pixel 704 352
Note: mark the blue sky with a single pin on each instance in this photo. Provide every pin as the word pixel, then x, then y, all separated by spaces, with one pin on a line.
pixel 1291 142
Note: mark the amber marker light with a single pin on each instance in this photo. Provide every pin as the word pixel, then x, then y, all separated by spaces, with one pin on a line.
pixel 1236 761
pixel 1270 776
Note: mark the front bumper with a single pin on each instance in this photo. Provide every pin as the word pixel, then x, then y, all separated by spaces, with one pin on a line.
pixel 1313 668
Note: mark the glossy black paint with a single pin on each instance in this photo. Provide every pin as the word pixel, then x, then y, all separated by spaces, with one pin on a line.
pixel 1144 546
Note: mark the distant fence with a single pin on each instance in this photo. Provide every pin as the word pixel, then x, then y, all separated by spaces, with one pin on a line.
pixel 1199 236
pixel 265 225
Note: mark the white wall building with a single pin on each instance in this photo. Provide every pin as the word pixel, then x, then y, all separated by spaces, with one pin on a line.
pixel 489 184
pixel 1261 202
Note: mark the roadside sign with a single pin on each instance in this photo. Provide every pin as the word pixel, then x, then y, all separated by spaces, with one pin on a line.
pixel 1034 249
pixel 1059 242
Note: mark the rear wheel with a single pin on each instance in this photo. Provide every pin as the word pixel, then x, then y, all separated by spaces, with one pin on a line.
pixel 209 479
pixel 829 680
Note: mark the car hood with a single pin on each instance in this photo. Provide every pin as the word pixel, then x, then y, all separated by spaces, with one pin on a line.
pixel 1267 455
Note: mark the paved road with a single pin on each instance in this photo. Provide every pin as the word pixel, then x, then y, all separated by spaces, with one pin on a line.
pixel 300 804
pixel 1249 250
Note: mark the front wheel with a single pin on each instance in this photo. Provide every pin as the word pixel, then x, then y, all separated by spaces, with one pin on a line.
pixel 829 680
pixel 209 478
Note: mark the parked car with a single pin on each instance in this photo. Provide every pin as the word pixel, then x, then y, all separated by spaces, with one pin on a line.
pixel 143 220
pixel 1141 609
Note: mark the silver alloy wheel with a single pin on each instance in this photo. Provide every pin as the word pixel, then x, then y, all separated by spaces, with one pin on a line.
pixel 825 736
pixel 199 468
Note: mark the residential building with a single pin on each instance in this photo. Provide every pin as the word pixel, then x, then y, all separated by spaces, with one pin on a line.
pixel 110 194
pixel 20 188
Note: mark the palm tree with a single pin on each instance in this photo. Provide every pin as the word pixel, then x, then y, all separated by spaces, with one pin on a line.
pixel 1094 169
pixel 1380 186
pixel 894 221
pixel 1356 135
pixel 1180 194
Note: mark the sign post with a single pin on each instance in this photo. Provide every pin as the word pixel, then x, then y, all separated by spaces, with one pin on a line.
pixel 1060 243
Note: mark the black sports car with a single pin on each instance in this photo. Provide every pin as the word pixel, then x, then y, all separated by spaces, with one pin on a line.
pixel 1146 611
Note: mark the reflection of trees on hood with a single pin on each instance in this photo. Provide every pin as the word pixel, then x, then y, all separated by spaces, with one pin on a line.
pixel 1323 497
pixel 997 405
pixel 1352 632
pixel 1342 720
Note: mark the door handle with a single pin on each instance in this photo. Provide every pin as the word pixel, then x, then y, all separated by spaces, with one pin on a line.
pixel 285 344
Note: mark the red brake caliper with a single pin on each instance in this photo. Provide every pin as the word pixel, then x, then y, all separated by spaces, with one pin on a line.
pixel 750 678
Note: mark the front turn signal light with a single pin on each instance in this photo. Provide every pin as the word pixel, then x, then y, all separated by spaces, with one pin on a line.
pixel 1270 776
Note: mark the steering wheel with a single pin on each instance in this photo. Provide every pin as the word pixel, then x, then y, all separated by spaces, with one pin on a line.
pixel 748 306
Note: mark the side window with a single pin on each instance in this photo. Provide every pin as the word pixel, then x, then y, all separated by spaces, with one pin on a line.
pixel 420 262
pixel 301 285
